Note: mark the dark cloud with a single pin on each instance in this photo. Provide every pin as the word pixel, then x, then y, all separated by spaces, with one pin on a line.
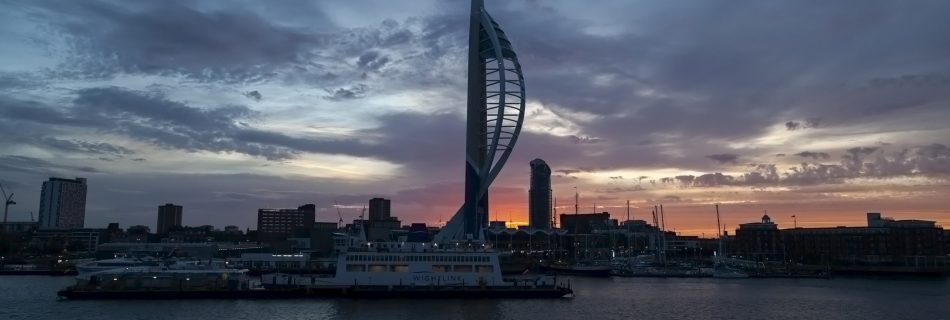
pixel 622 189
pixel 724 157
pixel 713 180
pixel 33 165
pixel 685 180
pixel 584 140
pixel 254 95
pixel 18 80
pixel 807 124
pixel 933 159
pixel 152 118
pixel 86 146
pixel 670 198
pixel 349 93
pixel 571 171
pixel 372 61
pixel 930 161
pixel 173 38
pixel 792 125
pixel 814 155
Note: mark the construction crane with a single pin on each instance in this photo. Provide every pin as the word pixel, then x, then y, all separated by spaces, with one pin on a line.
pixel 338 213
pixel 8 200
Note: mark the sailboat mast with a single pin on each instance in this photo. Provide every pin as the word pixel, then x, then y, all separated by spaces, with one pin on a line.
pixel 662 219
pixel 718 229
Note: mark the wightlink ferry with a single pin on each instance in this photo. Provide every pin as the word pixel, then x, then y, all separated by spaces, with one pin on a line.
pixel 401 269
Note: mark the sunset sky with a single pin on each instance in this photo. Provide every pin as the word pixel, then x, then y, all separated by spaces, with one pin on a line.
pixel 819 109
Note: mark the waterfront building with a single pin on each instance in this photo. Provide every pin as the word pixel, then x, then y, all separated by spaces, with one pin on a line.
pixel 759 241
pixel 63 204
pixel 585 223
pixel 190 234
pixel 281 223
pixel 169 216
pixel 497 225
pixel 19 227
pixel 72 240
pixel 539 196
pixel 883 242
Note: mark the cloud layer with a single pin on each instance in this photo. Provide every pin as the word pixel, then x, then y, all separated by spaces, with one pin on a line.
pixel 682 102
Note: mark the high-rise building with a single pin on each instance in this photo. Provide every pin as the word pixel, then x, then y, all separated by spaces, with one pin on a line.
pixel 63 204
pixel 273 223
pixel 169 216
pixel 379 209
pixel 539 196
pixel 381 223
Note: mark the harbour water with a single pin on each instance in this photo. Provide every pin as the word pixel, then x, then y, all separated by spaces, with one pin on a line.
pixel 34 297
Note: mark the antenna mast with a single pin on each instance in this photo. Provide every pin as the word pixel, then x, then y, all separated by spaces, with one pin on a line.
pixel 575 200
pixel 628 210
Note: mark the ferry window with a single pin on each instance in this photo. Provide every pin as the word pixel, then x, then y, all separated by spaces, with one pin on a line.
pixel 377 268
pixel 355 268
pixel 484 269
pixel 463 268
pixel 440 268
pixel 400 268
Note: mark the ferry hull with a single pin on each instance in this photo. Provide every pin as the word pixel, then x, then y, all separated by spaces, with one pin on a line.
pixel 334 292
pixel 580 271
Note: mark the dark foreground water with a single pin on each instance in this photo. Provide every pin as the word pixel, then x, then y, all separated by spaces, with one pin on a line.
pixel 34 297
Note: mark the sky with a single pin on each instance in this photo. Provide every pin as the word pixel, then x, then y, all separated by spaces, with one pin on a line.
pixel 821 110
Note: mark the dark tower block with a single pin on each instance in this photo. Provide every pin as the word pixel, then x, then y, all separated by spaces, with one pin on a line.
pixel 539 196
